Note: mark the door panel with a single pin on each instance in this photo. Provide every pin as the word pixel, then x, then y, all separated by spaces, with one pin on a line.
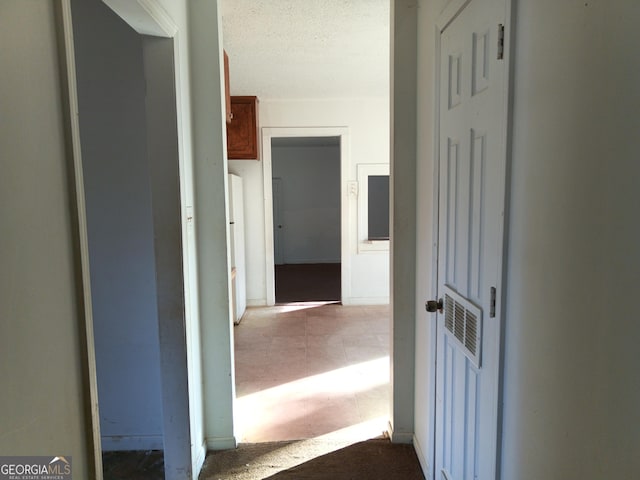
pixel 471 205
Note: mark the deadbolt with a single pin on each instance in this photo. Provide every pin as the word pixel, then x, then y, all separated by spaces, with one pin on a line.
pixel 434 306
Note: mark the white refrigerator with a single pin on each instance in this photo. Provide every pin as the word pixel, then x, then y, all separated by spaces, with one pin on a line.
pixel 236 231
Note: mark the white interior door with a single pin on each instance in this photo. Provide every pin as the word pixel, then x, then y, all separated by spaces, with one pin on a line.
pixel 471 206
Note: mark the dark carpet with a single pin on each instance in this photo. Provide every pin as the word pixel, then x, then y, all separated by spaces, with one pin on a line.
pixel 307 282
pixel 375 459
pixel 137 465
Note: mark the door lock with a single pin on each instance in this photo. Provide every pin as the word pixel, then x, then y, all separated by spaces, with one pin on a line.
pixel 434 306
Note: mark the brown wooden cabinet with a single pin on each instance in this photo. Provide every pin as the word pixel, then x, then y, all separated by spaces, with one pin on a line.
pixel 242 131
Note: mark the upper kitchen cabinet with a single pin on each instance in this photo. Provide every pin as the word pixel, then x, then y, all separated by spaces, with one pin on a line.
pixel 242 130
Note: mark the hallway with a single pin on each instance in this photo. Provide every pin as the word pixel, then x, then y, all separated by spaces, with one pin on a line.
pixel 312 389
pixel 313 397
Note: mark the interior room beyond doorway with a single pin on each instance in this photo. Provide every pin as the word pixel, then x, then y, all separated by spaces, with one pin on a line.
pixel 306 218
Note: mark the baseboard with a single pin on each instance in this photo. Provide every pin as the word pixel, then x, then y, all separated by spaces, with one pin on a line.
pixel 313 261
pixel 111 443
pixel 364 301
pixel 395 437
pixel 423 461
pixel 221 443
pixel 258 302
pixel 198 457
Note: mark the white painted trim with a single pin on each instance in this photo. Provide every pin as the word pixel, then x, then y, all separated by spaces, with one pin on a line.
pixel 147 17
pixel 282 132
pixel 405 438
pixel 509 25
pixel 365 301
pixel 424 464
pixel 88 343
pixel 260 302
pixel 111 443
pixel 450 11
pixel 431 431
pixel 221 443
pixel 199 454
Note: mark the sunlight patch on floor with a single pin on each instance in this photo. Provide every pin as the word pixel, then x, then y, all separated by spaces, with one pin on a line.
pixel 339 404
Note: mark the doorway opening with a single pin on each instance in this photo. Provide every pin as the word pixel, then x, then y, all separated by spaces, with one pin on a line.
pixel 306 218
pixel 310 368
pixel 130 156
pixel 306 241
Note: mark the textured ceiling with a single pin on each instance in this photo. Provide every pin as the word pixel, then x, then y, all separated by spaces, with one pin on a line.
pixel 307 48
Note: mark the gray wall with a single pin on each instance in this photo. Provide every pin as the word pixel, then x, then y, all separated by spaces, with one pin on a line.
pixel 310 200
pixel 111 90
pixel 41 360
pixel 572 386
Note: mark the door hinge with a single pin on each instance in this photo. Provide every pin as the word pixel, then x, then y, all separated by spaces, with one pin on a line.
pixel 500 42
pixel 492 303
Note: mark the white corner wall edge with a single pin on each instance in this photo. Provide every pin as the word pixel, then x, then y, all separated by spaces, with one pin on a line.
pixel 147 17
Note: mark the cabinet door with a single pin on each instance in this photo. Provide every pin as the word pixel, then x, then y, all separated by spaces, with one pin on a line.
pixel 242 132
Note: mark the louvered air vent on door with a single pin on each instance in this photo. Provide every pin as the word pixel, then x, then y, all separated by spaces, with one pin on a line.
pixel 463 321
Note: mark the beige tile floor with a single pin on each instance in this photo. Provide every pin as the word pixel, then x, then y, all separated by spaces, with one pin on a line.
pixel 312 370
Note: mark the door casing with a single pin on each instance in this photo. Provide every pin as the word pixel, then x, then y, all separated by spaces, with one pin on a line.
pixel 278 132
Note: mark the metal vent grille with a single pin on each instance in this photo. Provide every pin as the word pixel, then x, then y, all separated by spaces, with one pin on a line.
pixel 462 319
pixel 448 308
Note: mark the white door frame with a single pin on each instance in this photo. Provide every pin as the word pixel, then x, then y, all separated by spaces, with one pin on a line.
pixel 277 207
pixel 282 132
pixel 82 246
pixel 448 14
pixel 147 17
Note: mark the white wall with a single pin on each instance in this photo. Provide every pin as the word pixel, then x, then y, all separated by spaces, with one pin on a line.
pixel 310 202
pixel 177 11
pixel 162 147
pixel 571 367
pixel 212 220
pixel 42 363
pixel 368 123
pixel 111 96
pixel 403 217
